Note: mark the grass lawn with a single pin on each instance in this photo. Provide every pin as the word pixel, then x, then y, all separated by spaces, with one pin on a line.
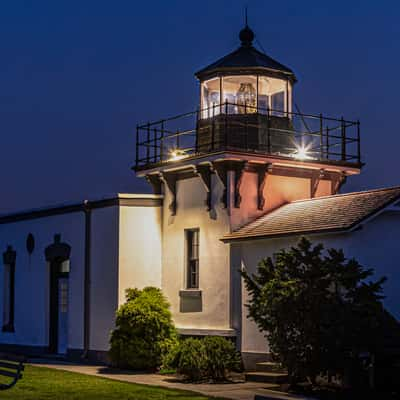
pixel 41 383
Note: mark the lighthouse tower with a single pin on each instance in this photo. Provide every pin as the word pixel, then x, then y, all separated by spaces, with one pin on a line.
pixel 241 154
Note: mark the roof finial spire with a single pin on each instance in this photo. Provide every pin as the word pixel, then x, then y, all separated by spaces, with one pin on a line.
pixel 246 35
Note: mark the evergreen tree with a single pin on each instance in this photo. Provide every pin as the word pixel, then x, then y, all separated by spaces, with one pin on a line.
pixel 316 308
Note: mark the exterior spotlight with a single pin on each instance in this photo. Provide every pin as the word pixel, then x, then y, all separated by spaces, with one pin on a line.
pixel 177 154
pixel 302 152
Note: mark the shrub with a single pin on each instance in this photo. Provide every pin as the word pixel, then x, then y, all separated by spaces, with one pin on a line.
pixel 144 329
pixel 221 357
pixel 211 358
pixel 316 309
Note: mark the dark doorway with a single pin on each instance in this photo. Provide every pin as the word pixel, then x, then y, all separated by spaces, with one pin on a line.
pixel 58 334
pixel 58 256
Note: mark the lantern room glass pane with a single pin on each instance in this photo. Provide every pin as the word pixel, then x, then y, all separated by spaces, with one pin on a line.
pixel 263 94
pixel 272 95
pixel 240 92
pixel 210 97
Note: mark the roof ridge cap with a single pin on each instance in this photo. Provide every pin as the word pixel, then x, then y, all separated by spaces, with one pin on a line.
pixel 346 194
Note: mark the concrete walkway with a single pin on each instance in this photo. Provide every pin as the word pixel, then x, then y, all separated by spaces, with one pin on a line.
pixel 234 391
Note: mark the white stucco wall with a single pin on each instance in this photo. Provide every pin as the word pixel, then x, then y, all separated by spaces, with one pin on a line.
pixel 214 255
pixel 374 246
pixel 32 278
pixel 139 248
pixel 104 275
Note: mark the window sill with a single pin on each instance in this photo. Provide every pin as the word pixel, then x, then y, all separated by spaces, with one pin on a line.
pixel 8 328
pixel 190 293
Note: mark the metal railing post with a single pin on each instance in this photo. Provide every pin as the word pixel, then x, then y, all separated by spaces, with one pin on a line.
pixel 137 145
pixel 213 127
pixel 358 143
pixel 343 129
pixel 162 141
pixel 321 139
pixel 226 124
pixel 196 146
pixel 155 145
pixel 327 144
pixel 246 131
pixel 148 144
pixel 268 132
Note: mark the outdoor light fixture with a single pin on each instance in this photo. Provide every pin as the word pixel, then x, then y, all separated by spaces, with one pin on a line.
pixel 177 154
pixel 302 152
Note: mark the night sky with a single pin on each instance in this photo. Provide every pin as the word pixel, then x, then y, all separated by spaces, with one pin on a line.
pixel 77 76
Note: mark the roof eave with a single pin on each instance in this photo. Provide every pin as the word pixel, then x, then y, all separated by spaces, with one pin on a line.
pixel 220 71
pixel 231 239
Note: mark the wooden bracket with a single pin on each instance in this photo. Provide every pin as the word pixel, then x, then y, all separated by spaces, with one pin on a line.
pixel 170 181
pixel 337 182
pixel 262 173
pixel 221 168
pixel 315 178
pixel 155 182
pixel 221 171
pixel 204 172
pixel 238 168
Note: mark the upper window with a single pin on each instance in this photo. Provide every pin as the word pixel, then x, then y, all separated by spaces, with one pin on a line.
pixel 192 258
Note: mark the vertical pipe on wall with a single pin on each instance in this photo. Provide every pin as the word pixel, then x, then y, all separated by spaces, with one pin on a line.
pixel 86 312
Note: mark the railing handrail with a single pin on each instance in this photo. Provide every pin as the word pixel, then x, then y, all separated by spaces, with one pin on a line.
pixel 322 134
pixel 249 107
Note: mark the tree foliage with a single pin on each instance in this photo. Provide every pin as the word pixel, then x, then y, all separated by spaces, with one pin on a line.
pixel 144 329
pixel 316 308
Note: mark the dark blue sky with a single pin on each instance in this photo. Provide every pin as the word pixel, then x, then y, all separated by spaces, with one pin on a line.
pixel 77 76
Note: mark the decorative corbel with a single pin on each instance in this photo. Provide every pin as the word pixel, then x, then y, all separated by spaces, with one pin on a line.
pixel 315 178
pixel 155 182
pixel 338 181
pixel 238 168
pixel 169 179
pixel 262 173
pixel 221 171
pixel 204 172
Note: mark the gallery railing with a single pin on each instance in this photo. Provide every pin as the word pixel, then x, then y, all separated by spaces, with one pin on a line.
pixel 231 126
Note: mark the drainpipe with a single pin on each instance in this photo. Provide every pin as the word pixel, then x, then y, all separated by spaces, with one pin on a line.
pixel 86 311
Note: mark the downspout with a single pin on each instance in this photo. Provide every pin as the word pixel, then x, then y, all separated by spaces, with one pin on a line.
pixel 86 311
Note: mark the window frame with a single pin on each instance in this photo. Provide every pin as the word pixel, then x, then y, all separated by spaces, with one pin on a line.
pixel 191 261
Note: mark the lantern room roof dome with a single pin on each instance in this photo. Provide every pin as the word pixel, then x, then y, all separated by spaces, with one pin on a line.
pixel 246 59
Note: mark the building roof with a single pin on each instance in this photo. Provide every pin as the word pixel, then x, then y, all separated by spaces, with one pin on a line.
pixel 117 199
pixel 246 57
pixel 335 213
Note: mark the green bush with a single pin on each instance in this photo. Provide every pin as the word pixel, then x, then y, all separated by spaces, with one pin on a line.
pixel 144 330
pixel 221 357
pixel 208 358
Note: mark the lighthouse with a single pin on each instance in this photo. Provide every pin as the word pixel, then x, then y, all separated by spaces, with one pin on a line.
pixel 241 154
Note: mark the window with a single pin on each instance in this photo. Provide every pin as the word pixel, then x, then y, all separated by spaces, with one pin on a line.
pixel 211 97
pixel 192 257
pixel 240 92
pixel 8 289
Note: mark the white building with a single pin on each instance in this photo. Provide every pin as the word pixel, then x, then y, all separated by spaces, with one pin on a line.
pixel 234 182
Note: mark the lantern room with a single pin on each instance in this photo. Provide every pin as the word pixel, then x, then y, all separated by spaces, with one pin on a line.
pixel 245 107
pixel 245 88
pixel 248 81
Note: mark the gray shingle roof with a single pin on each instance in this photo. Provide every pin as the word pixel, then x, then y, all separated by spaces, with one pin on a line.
pixel 324 214
pixel 245 57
